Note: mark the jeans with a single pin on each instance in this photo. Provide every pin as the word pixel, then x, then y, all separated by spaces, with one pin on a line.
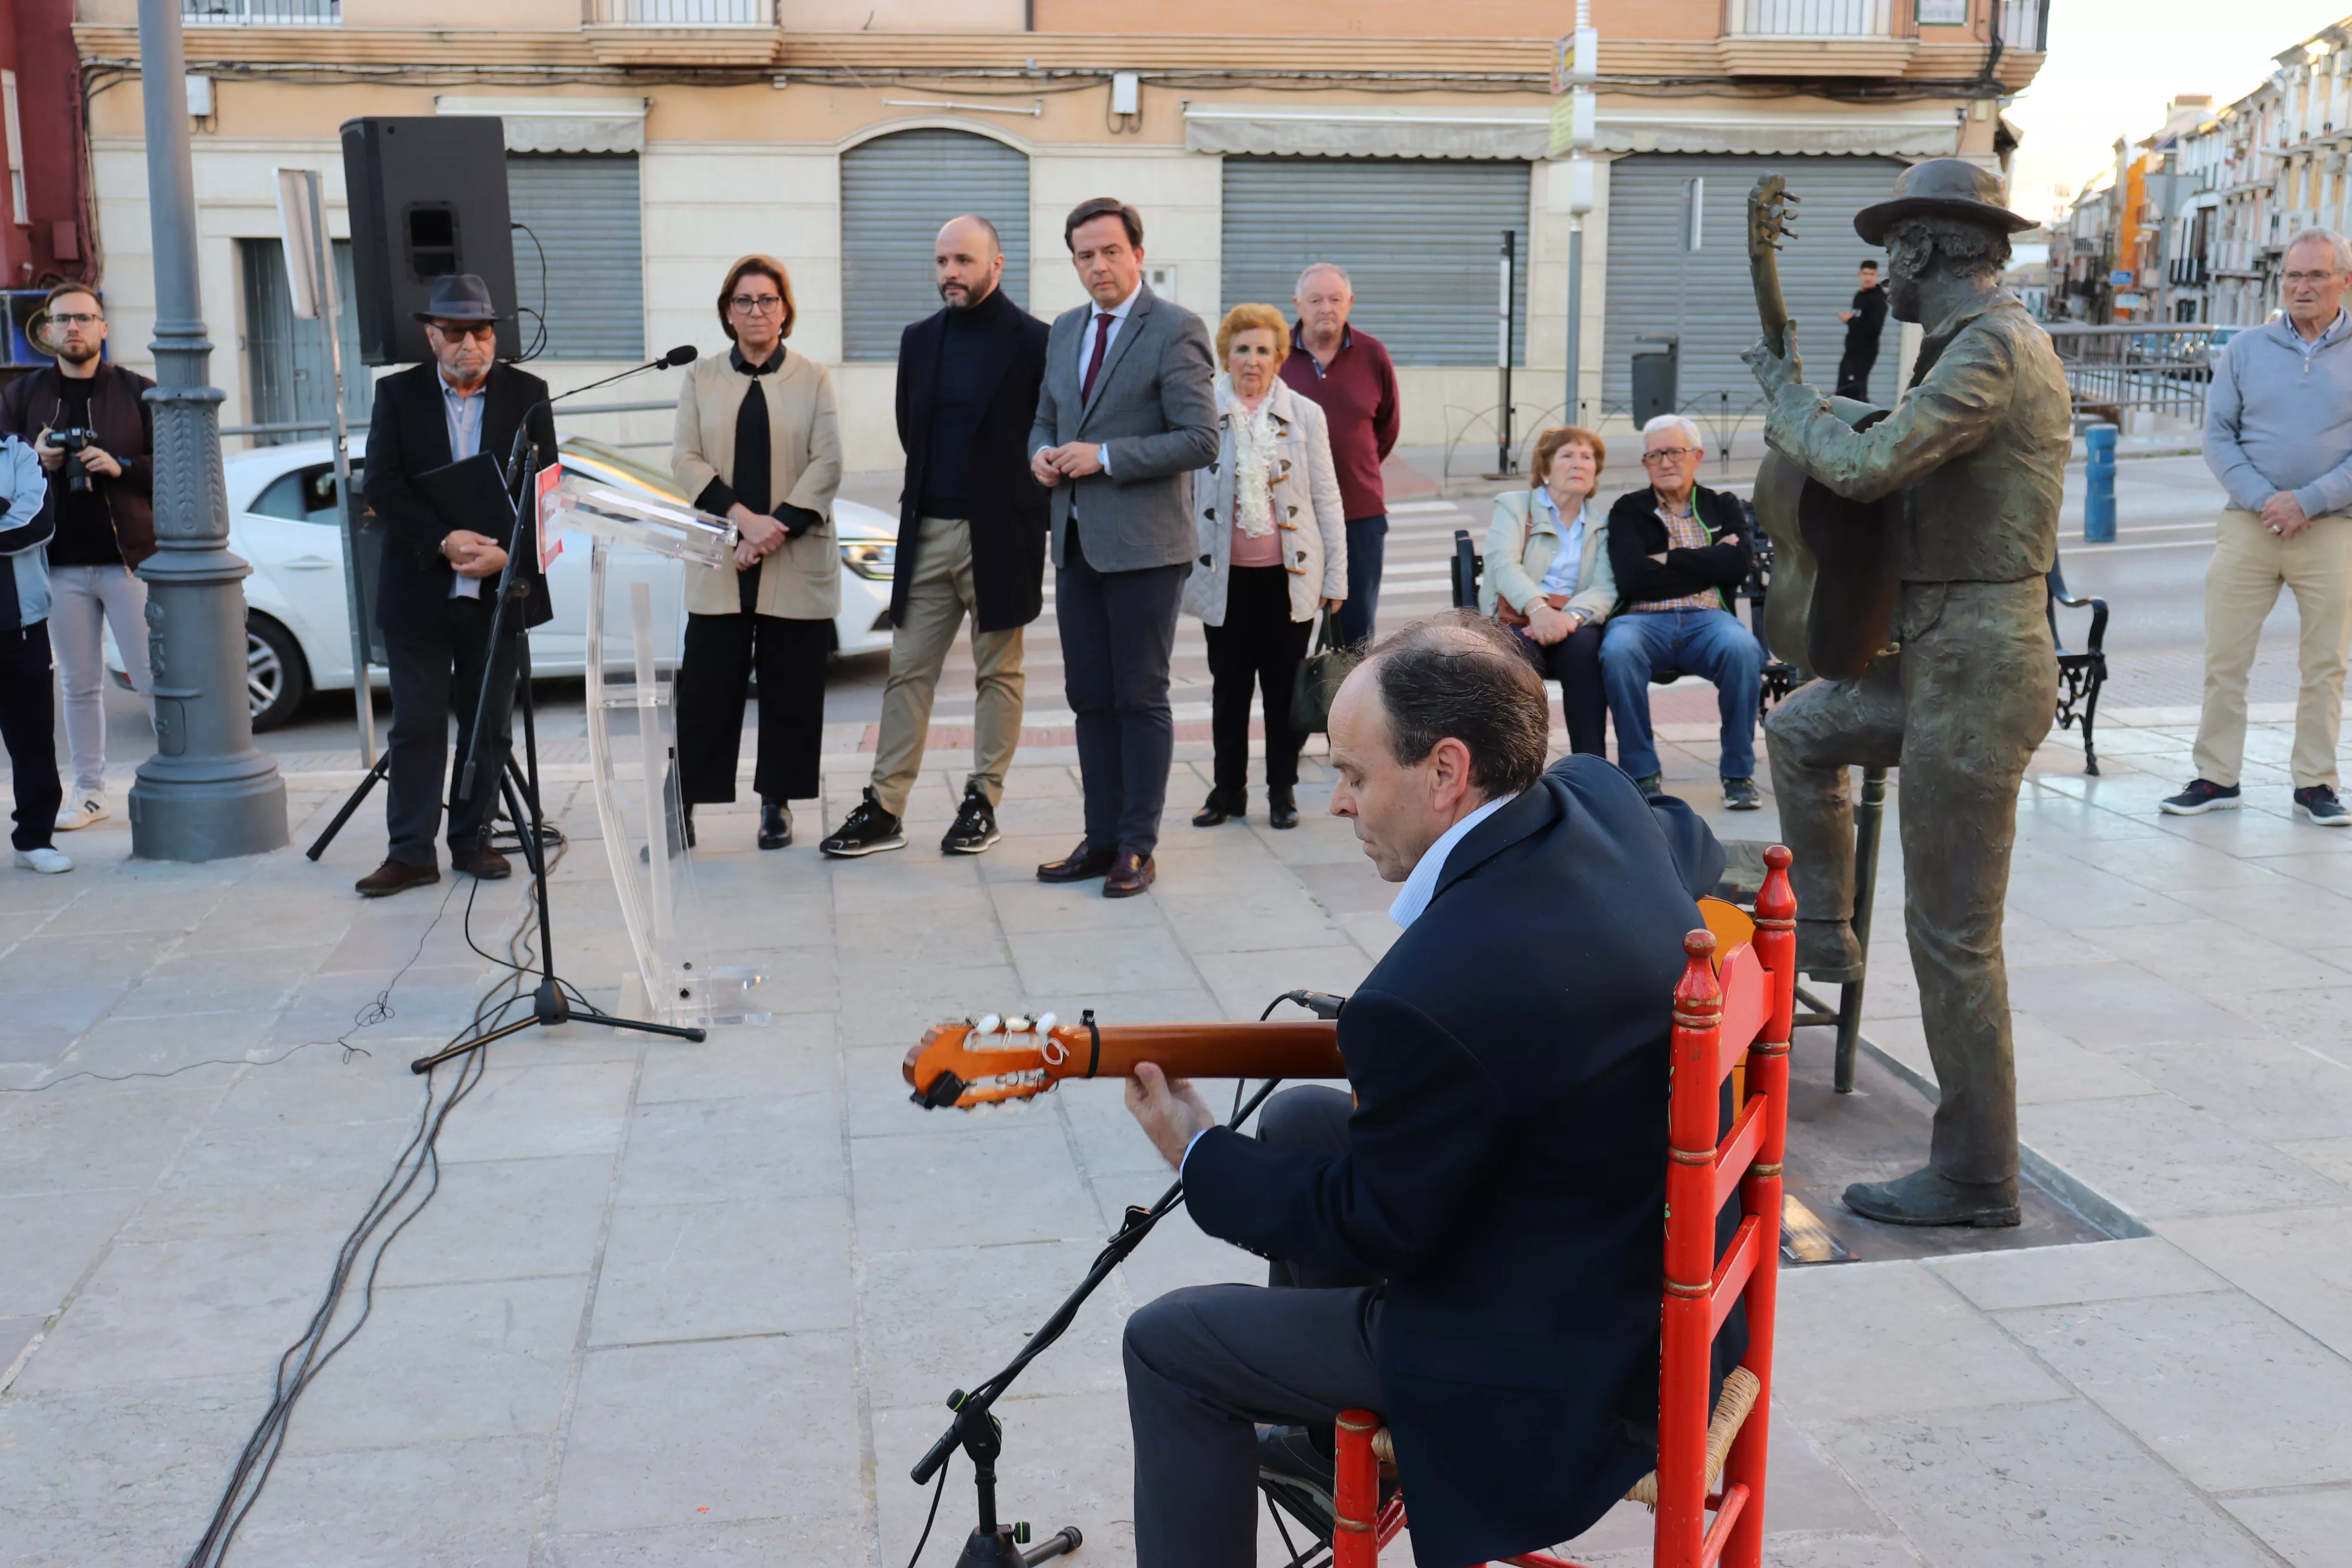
pixel 1119 629
pixel 1367 549
pixel 25 728
pixel 1640 643
pixel 80 598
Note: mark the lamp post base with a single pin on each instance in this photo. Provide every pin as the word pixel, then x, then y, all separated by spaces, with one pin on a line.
pixel 176 816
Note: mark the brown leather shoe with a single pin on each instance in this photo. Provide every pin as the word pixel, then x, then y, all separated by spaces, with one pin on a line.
pixel 484 864
pixel 1080 865
pixel 1131 876
pixel 396 877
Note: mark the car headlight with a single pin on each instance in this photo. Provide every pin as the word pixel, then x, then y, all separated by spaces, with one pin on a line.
pixel 874 560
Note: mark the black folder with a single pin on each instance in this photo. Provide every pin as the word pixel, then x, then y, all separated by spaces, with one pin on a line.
pixel 470 494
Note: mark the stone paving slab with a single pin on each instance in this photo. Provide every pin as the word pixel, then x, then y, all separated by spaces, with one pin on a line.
pixel 681 1304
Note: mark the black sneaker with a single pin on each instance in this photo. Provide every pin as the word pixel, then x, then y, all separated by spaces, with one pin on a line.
pixel 1739 794
pixel 975 825
pixel 1651 784
pixel 2204 796
pixel 869 830
pixel 2318 805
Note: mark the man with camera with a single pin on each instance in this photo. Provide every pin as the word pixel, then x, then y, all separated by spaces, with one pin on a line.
pixel 93 432
pixel 437 587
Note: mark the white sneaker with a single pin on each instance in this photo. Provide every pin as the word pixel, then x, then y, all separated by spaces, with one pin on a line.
pixel 76 813
pixel 46 860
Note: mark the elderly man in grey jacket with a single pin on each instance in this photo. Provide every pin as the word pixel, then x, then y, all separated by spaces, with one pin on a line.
pixel 2278 435
pixel 1125 415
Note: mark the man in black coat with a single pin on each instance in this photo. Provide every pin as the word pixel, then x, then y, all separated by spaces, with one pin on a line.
pixel 973 522
pixel 1680 551
pixel 1865 320
pixel 438 584
pixel 1501 1168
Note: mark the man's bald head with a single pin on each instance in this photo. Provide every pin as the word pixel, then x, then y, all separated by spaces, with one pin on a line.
pixel 968 261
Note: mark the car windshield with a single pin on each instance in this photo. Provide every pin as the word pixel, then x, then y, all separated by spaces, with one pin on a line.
pixel 610 462
pixel 306 494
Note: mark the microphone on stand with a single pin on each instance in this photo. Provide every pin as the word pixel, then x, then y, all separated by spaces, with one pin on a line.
pixel 685 354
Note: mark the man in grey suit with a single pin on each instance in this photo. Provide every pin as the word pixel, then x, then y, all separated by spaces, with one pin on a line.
pixel 1124 417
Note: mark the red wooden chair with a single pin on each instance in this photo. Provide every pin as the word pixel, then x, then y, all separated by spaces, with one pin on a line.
pixel 1706 1464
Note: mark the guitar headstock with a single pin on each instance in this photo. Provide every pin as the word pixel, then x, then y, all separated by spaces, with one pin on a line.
pixel 995 1060
pixel 1768 216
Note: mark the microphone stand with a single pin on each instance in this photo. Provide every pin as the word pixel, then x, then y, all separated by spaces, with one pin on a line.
pixel 551 1002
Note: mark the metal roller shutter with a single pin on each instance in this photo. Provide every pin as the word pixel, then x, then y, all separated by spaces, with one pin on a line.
pixel 286 367
pixel 896 192
pixel 1420 239
pixel 1656 284
pixel 585 210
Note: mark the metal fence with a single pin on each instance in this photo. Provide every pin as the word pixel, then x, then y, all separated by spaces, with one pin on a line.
pixel 263 12
pixel 680 13
pixel 2153 369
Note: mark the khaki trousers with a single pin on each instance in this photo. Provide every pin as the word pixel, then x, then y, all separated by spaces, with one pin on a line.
pixel 936 599
pixel 2250 564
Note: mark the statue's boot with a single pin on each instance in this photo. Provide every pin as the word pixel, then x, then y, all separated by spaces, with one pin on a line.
pixel 1827 952
pixel 1927 1197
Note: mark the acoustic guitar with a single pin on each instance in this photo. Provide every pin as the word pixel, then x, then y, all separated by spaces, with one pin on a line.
pixel 997 1060
pixel 1830 596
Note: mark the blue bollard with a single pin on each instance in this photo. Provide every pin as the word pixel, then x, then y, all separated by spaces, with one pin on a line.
pixel 2099 485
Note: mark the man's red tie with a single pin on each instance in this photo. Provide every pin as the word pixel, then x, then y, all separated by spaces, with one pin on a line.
pixel 1093 362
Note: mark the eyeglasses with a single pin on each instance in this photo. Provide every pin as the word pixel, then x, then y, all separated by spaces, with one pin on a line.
pixel 1669 454
pixel 76 320
pixel 467 329
pixel 745 304
pixel 2288 278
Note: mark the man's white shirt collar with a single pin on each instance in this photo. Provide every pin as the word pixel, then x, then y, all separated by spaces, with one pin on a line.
pixel 1421 886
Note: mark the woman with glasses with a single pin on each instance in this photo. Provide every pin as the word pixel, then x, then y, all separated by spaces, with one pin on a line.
pixel 1547 576
pixel 758 442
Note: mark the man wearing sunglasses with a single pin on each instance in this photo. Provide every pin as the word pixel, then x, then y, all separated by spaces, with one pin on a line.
pixel 437 586
pixel 87 422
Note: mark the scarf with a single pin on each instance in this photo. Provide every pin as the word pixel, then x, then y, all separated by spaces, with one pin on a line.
pixel 1253 458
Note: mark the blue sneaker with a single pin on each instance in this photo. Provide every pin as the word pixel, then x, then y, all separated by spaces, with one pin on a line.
pixel 2204 796
pixel 2318 805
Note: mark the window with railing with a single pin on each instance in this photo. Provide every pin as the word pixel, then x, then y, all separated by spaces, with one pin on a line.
pixel 680 13
pixel 263 12
pixel 1810 18
pixel 2024 25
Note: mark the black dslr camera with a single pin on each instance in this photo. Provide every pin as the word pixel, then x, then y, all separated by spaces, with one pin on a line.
pixel 73 439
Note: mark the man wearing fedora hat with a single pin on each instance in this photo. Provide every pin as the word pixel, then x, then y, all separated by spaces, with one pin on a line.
pixel 1969 469
pixel 436 583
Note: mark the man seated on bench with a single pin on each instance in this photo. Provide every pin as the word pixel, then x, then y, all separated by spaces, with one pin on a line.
pixel 1472 1245
pixel 1679 555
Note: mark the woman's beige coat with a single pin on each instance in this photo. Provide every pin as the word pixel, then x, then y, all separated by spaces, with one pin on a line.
pixel 1519 552
pixel 1306 511
pixel 801 581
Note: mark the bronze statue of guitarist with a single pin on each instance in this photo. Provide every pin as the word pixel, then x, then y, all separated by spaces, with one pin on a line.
pixel 1969 466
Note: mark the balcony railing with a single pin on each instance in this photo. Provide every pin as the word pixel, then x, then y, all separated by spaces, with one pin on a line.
pixel 680 13
pixel 1808 18
pixel 262 13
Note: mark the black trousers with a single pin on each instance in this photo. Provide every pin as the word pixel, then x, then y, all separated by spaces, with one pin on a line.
pixel 1118 631
pixel 1575 662
pixel 1853 373
pixel 1204 1364
pixel 27 727
pixel 1260 646
pixel 713 679
pixel 436 674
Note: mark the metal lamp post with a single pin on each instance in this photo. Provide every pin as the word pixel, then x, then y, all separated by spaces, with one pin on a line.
pixel 207 793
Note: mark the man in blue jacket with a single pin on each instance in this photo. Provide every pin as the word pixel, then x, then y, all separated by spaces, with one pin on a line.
pixel 1475 1244
pixel 25 683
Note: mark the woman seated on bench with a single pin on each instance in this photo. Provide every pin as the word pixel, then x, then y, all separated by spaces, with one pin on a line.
pixel 1547 576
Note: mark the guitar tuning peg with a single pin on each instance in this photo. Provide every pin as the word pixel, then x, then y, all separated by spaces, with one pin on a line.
pixel 1017 1026
pixel 1046 1022
pixel 989 1024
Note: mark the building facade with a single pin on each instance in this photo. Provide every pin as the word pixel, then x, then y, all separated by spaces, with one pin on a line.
pixel 651 141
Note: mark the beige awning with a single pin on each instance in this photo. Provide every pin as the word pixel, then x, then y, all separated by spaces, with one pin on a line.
pixel 558 124
pixel 1372 133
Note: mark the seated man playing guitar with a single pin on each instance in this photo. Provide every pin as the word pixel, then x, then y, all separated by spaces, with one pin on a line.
pixel 1474 1247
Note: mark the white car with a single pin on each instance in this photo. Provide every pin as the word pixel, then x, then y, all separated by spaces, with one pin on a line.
pixel 283 521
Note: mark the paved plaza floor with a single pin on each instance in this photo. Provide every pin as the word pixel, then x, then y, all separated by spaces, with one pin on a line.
pixel 700 1304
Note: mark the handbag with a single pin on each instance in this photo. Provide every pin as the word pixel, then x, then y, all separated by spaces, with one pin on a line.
pixel 1320 676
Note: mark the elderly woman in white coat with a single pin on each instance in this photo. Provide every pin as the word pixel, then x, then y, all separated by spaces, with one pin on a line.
pixel 759 441
pixel 1547 576
pixel 1274 548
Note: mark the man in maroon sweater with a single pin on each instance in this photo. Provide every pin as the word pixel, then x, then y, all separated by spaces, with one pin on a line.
pixel 1350 373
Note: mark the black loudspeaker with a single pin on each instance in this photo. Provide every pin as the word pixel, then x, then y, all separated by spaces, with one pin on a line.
pixel 428 198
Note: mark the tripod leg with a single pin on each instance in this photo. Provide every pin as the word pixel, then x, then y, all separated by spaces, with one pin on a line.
pixel 526 840
pixel 351 803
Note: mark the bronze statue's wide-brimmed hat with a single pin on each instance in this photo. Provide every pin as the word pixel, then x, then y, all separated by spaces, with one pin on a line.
pixel 1943 187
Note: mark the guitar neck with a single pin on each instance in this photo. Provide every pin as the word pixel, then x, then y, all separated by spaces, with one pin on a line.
pixel 1764 271
pixel 1291 1048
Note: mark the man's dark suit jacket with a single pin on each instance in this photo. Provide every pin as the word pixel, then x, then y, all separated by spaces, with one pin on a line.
pixel 1507 1164
pixel 1011 512
pixel 410 436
